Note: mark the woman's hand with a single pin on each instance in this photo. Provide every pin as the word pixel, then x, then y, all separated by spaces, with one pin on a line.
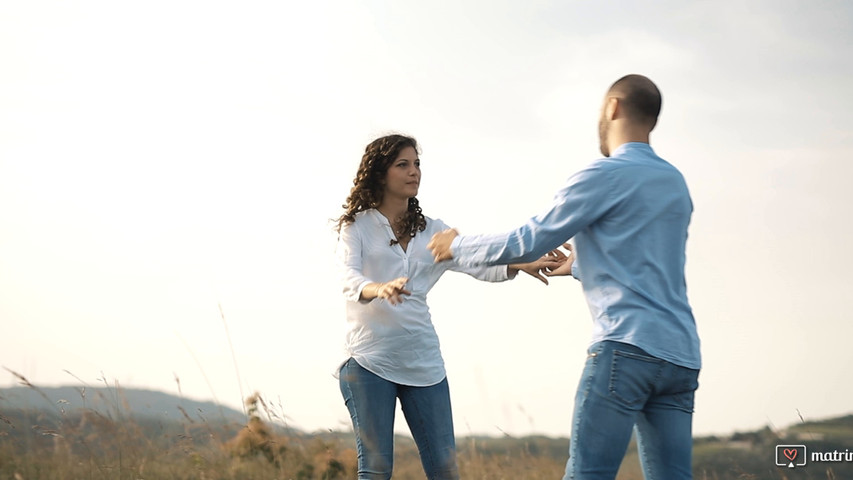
pixel 538 268
pixel 565 261
pixel 392 291
pixel 552 264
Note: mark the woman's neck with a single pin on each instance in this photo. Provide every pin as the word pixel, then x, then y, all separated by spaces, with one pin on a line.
pixel 393 209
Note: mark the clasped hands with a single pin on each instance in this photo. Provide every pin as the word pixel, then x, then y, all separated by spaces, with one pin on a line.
pixel 553 264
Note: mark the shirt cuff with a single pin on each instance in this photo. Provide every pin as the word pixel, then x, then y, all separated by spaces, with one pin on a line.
pixel 454 245
pixel 358 292
pixel 470 255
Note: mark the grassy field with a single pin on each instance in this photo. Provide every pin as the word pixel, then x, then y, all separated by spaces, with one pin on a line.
pixel 87 443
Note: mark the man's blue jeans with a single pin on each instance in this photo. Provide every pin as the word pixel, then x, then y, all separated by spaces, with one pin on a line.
pixel 372 403
pixel 622 388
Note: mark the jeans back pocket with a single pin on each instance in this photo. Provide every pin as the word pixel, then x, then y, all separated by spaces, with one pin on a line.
pixel 633 377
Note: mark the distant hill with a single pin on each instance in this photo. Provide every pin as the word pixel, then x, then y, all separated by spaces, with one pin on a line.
pixel 116 402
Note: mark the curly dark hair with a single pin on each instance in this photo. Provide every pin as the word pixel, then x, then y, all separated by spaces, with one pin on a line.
pixel 368 186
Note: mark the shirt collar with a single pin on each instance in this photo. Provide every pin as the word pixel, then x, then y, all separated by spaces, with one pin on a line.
pixel 625 147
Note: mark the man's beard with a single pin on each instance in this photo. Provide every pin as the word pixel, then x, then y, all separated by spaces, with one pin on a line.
pixel 603 130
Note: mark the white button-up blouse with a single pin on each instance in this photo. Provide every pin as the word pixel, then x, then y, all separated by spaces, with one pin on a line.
pixel 396 342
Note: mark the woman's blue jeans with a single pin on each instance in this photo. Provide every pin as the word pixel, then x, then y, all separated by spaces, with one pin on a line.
pixel 372 403
pixel 622 388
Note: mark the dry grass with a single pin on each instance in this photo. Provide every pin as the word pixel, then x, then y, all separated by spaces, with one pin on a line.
pixel 114 444
pixel 90 444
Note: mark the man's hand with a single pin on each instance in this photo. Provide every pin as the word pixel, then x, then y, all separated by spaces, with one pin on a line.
pixel 565 261
pixel 440 244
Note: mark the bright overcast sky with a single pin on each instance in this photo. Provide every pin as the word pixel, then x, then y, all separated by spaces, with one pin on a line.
pixel 161 158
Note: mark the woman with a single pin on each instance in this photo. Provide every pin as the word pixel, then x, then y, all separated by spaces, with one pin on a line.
pixel 392 349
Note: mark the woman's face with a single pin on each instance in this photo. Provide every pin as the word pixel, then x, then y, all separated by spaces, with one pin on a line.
pixel 404 175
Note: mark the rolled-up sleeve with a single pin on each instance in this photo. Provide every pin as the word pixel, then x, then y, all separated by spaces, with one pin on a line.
pixel 486 273
pixel 349 259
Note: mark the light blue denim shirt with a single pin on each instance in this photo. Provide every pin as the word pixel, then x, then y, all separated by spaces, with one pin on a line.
pixel 628 215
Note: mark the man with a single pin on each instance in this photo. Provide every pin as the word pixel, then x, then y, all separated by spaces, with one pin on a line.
pixel 628 215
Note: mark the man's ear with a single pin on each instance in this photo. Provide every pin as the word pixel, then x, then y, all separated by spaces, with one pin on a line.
pixel 611 108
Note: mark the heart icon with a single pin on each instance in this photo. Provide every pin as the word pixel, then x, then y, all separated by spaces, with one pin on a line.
pixel 790 453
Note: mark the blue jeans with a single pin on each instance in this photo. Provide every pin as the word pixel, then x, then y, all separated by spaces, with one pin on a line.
pixel 372 403
pixel 622 388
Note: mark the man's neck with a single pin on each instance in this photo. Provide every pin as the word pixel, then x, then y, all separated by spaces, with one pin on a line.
pixel 619 137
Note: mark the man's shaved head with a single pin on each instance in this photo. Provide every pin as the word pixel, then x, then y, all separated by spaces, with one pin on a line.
pixel 641 99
